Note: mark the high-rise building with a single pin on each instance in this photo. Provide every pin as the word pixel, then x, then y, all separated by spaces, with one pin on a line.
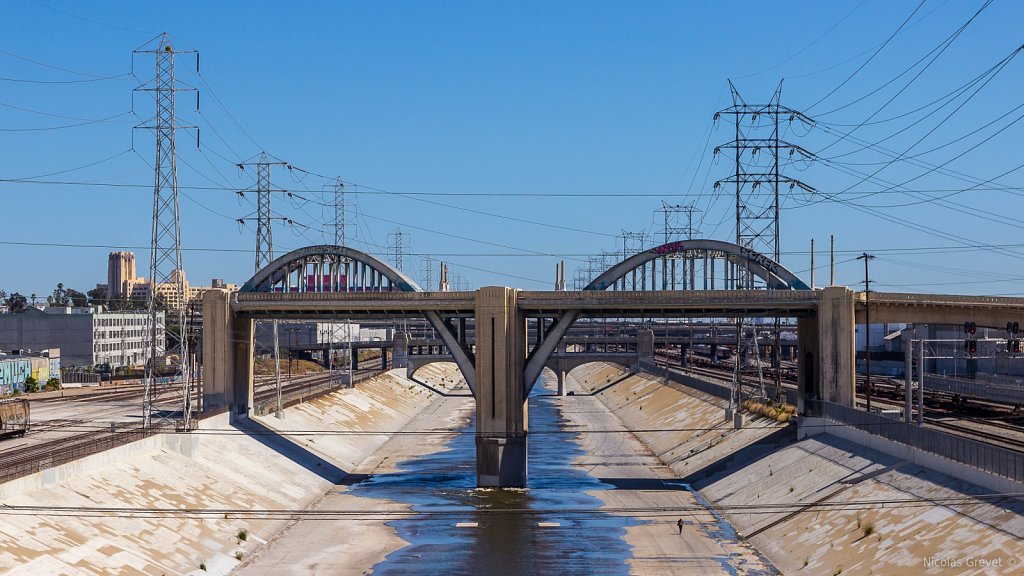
pixel 121 275
pixel 122 283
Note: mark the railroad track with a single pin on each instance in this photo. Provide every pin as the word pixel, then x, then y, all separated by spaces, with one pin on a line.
pixel 933 418
pixel 961 429
pixel 84 438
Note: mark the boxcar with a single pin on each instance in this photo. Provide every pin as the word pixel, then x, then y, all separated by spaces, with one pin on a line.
pixel 14 417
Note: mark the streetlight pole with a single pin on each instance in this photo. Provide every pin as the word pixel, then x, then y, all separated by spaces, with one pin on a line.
pixel 867 327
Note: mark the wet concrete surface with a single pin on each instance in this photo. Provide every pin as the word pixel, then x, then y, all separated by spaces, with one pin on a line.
pixel 538 530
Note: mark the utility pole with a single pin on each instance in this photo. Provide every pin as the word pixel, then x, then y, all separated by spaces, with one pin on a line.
pixel 812 263
pixel 832 259
pixel 168 298
pixel 867 326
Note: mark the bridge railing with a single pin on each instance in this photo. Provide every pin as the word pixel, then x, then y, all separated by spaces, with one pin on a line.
pixel 980 455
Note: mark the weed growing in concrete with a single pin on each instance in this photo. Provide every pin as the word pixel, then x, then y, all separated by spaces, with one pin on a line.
pixel 202 566
pixel 242 535
pixel 791 489
pixel 806 562
pixel 868 529
pixel 239 555
pixel 838 571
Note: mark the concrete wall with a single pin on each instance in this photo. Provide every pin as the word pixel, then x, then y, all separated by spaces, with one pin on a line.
pixel 35 330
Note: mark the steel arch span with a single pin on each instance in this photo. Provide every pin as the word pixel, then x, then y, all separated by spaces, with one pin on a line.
pixel 775 276
pixel 328 268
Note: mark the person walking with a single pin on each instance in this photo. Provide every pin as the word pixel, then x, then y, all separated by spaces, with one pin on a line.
pixel 680 525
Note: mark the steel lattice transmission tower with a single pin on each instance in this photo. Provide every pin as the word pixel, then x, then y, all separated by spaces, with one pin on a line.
pixel 758 184
pixel 168 300
pixel 758 187
pixel 264 216
pixel 265 243
pixel 397 248
pixel 340 223
pixel 674 229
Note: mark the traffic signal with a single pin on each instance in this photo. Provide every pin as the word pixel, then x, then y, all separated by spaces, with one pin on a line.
pixel 1015 346
pixel 972 328
pixel 972 347
pixel 1016 327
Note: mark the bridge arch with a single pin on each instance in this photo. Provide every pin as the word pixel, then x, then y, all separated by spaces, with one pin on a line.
pixel 774 275
pixel 329 268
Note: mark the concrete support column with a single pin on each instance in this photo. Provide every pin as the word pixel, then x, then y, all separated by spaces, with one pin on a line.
pixel 500 401
pixel 227 357
pixel 218 364
pixel 384 358
pixel 808 381
pixel 837 342
pixel 560 374
pixel 400 350
pixel 645 345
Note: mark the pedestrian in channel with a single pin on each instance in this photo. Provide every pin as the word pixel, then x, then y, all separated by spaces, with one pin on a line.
pixel 680 525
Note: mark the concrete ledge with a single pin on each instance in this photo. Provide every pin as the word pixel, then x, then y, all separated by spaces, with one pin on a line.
pixel 813 426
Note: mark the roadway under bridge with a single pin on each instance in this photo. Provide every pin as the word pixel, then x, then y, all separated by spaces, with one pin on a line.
pixel 502 363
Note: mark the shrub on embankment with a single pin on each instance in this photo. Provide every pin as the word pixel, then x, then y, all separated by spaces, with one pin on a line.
pixel 778 412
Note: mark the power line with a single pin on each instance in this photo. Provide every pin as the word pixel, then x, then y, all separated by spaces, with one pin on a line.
pixel 868 61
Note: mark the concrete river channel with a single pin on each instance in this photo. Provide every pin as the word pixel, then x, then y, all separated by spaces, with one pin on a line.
pixel 551 527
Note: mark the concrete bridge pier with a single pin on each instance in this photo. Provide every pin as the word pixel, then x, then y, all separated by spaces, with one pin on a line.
pixel 400 350
pixel 560 375
pixel 501 413
pixel 228 344
pixel 826 344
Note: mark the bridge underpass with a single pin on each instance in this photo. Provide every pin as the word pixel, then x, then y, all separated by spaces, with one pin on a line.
pixel 500 367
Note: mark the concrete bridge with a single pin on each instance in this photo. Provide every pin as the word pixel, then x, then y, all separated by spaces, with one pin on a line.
pixel 501 367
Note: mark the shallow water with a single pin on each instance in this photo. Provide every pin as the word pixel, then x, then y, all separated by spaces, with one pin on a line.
pixel 502 543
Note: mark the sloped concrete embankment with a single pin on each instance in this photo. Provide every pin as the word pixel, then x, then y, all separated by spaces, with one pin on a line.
pixel 853 510
pixel 685 428
pixel 146 489
pixel 827 505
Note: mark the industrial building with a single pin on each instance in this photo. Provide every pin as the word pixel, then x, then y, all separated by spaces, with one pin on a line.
pixel 86 336
pixel 297 335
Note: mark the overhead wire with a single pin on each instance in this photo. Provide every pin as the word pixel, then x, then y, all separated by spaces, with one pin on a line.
pixel 868 61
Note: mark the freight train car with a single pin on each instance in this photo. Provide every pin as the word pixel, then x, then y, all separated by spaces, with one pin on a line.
pixel 14 417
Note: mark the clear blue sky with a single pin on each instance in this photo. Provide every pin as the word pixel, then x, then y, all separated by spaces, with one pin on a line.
pixel 614 100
